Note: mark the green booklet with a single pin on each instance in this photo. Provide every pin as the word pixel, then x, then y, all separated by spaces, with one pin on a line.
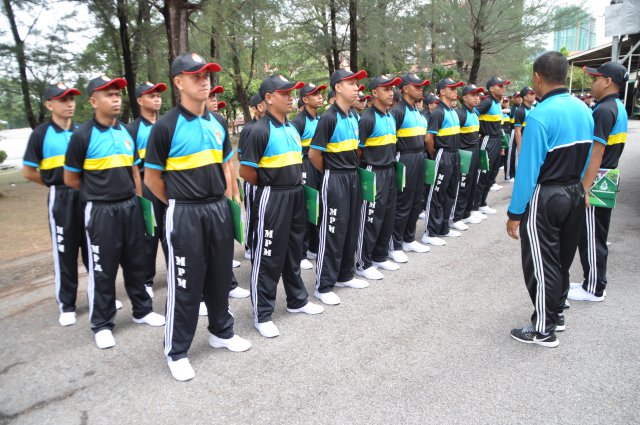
pixel 504 140
pixel 465 161
pixel 148 215
pixel 430 171
pixel 240 189
pixel 238 224
pixel 604 191
pixel 312 203
pixel 368 184
pixel 484 160
pixel 401 176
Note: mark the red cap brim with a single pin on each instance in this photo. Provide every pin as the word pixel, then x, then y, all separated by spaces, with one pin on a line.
pixel 118 82
pixel 217 90
pixel 478 90
pixel 365 97
pixel 591 71
pixel 67 92
pixel 211 67
pixel 296 86
pixel 222 104
pixel 356 76
pixel 423 84
pixel 317 89
pixel 395 82
pixel 160 87
pixel 458 84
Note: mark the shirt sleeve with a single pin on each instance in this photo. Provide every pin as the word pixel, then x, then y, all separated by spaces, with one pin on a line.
pixel 398 115
pixel 484 106
pixel 76 152
pixel 435 121
pixel 519 117
pixel 158 146
pixel 33 154
pixel 324 131
pixel 299 123
pixel 462 115
pixel 604 121
pixel 256 145
pixel 227 151
pixel 533 152
pixel 366 126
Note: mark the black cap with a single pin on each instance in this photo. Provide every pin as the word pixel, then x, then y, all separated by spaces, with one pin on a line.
pixel 383 81
pixel 331 94
pixel 192 63
pixel 103 82
pixel 448 82
pixel 516 94
pixel 311 88
pixel 472 88
pixel 497 81
pixel 344 74
pixel 414 80
pixel 278 83
pixel 430 98
pixel 613 70
pixel 58 91
pixel 254 100
pixel 526 90
pixel 362 97
pixel 148 87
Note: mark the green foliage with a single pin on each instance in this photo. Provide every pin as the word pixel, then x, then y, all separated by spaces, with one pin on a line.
pixel 3 156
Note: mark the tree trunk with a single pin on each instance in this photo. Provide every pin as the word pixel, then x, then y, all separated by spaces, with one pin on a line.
pixel 214 53
pixel 22 65
pixel 241 92
pixel 127 58
pixel 475 64
pixel 327 51
pixel 149 44
pixel 353 35
pixel 432 33
pixel 176 22
pixel 335 53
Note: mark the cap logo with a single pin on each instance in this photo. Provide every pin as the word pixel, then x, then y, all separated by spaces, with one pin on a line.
pixel 218 137
pixel 384 77
pixel 312 85
pixel 414 76
pixel 626 75
pixel 196 57
pixel 61 86
pixel 148 84
pixel 105 78
pixel 283 79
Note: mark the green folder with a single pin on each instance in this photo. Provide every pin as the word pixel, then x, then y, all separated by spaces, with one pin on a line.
pixel 430 171
pixel 604 191
pixel 148 215
pixel 240 189
pixel 465 161
pixel 238 224
pixel 368 184
pixel 484 160
pixel 312 203
pixel 505 141
pixel 401 176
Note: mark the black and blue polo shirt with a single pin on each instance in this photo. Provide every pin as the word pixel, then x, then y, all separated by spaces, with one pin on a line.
pixel 611 123
pixel 190 150
pixel 244 135
pixel 490 116
pixel 469 127
pixel 520 117
pixel 377 137
pixel 337 137
pixel 306 126
pixel 104 156
pixel 445 126
pixel 46 151
pixel 411 127
pixel 140 129
pixel 274 149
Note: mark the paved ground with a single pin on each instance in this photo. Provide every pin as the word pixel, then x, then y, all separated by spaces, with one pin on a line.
pixel 428 344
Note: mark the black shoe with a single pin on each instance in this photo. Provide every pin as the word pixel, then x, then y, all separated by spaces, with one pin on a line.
pixel 560 323
pixel 566 305
pixel 528 335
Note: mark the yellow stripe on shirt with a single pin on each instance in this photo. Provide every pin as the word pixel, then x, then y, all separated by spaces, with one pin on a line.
pixel 52 162
pixel 492 118
pixel 282 160
pixel 142 153
pixel 449 131
pixel 470 129
pixel 195 160
pixel 113 161
pixel 305 143
pixel 344 146
pixel 616 139
pixel 412 131
pixel 387 139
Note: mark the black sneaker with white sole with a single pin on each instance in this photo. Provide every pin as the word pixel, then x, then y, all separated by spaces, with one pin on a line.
pixel 560 323
pixel 528 335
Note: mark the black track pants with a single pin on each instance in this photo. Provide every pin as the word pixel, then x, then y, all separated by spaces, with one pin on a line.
pixel 511 158
pixel 409 202
pixel 488 178
pixel 151 242
pixel 249 193
pixel 468 185
pixel 594 250
pixel 442 195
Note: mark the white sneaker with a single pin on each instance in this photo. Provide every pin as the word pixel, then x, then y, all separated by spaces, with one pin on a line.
pixel 235 343
pixel 579 294
pixel 459 225
pixel 353 283
pixel 422 215
pixel 308 308
pixel 496 187
pixel 312 255
pixel 435 241
pixel 238 292
pixel 181 370
pixel 608 243
pixel 512 180
pixel 236 264
pixel 268 329
pixel 328 298
pixel 398 256
pixel 370 273
pixel 203 309
pixel 105 339
pixel 575 284
pixel 487 210
pixel 151 319
pixel 118 304
pixel 305 264
pixel 472 219
pixel 67 319
pixel 386 265
pixel 415 246
pixel 453 234
pixel 247 254
pixel 149 290
pixel 479 215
